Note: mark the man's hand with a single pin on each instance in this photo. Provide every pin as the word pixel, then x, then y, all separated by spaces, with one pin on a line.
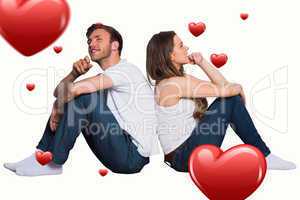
pixel 196 58
pixel 55 117
pixel 81 66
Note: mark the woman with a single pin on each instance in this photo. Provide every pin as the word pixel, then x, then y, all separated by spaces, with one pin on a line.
pixel 184 120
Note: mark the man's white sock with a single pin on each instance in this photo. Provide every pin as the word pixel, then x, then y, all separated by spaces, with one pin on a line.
pixel 276 163
pixel 13 166
pixel 31 167
pixel 36 169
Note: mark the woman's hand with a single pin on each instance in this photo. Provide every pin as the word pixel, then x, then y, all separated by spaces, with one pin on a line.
pixel 196 58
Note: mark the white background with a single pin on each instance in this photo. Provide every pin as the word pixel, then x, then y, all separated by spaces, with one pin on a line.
pixel 263 57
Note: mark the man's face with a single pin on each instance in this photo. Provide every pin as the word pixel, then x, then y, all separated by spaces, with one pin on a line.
pixel 99 45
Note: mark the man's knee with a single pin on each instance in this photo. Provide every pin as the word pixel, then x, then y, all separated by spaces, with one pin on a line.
pixel 83 98
pixel 98 96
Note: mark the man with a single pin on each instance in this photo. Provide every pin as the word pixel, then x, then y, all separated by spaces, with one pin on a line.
pixel 114 110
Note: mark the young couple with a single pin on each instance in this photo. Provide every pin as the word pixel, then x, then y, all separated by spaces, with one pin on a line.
pixel 120 117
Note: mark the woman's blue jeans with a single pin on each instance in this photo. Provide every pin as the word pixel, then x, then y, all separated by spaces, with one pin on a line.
pixel 211 129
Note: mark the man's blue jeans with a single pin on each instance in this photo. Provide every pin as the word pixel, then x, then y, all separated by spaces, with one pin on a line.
pixel 211 129
pixel 90 115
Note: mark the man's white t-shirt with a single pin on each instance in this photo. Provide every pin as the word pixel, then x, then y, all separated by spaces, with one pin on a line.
pixel 131 100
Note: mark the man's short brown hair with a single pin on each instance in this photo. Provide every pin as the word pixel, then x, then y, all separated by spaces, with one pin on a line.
pixel 114 34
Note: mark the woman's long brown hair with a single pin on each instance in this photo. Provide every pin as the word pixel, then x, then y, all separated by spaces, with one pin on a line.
pixel 159 65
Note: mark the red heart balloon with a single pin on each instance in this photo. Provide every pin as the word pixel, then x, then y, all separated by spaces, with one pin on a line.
pixel 57 49
pixel 197 28
pixel 219 59
pixel 103 172
pixel 30 25
pixel 43 157
pixel 30 86
pixel 231 175
pixel 244 16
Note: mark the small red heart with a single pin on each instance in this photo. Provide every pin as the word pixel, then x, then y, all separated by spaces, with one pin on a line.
pixel 30 26
pixel 103 172
pixel 219 59
pixel 43 157
pixel 57 49
pixel 197 28
pixel 244 16
pixel 234 174
pixel 30 86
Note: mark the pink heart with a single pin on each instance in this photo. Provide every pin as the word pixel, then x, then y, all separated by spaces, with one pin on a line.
pixel 30 25
pixel 30 86
pixel 197 28
pixel 57 49
pixel 103 172
pixel 219 59
pixel 244 16
pixel 231 175
pixel 43 157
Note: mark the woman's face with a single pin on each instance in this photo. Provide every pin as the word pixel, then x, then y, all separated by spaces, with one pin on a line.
pixel 179 56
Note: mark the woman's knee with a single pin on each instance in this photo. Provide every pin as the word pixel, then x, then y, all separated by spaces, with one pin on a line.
pixel 224 102
pixel 234 99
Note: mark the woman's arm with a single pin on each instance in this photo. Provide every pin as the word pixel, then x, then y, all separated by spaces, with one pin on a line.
pixel 213 74
pixel 191 87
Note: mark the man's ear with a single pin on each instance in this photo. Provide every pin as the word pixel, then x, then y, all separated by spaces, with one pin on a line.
pixel 115 46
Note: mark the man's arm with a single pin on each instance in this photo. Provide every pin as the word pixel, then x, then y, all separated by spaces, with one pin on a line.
pixel 80 67
pixel 70 78
pixel 63 90
pixel 90 85
pixel 68 91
